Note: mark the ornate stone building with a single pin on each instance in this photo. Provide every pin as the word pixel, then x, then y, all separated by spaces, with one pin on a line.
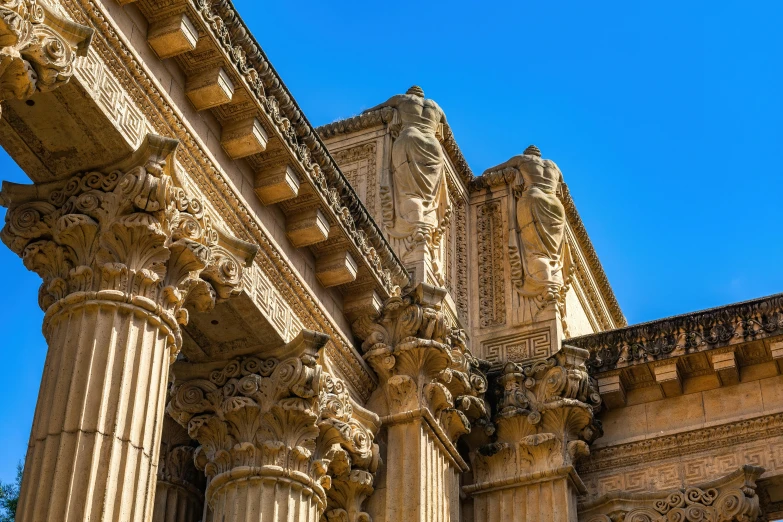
pixel 250 319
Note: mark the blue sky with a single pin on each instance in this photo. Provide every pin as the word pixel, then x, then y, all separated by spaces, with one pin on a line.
pixel 665 118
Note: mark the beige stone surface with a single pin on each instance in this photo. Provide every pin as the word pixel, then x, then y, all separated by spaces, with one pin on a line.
pixel 284 423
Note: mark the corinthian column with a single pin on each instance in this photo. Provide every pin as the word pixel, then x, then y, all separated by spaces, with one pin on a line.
pixel 179 495
pixel 120 253
pixel 545 421
pixel 429 395
pixel 275 432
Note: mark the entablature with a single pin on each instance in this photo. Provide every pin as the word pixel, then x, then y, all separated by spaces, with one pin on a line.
pixel 718 345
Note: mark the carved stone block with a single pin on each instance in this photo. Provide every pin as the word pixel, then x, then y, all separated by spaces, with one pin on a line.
pixel 725 365
pixel 209 89
pixel 667 375
pixel 276 184
pixel 307 227
pixel 335 269
pixel 777 354
pixel 612 390
pixel 172 35
pixel 244 138
pixel 365 303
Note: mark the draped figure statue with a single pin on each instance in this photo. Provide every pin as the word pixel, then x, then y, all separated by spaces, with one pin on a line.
pixel 415 199
pixel 538 252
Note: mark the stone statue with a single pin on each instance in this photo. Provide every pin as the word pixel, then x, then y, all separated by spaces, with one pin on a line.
pixel 538 253
pixel 415 198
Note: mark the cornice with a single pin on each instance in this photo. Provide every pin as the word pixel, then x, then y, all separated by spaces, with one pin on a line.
pixel 159 111
pixel 682 334
pixel 251 63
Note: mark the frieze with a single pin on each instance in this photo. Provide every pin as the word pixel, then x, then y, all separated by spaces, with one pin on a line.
pixel 492 290
pixel 684 334
pixel 156 107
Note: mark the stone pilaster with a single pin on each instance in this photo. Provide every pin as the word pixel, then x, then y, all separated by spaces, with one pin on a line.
pixel 179 494
pixel 429 395
pixel 38 48
pixel 276 433
pixel 545 421
pixel 120 253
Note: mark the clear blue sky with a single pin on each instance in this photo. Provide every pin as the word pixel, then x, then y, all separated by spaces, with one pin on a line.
pixel 665 118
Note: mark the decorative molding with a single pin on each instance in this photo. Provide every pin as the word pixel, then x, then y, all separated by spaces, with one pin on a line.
pixel 491 267
pixel 728 499
pixel 684 334
pixel 680 445
pixel 536 344
pixel 128 235
pixel 39 48
pixel 460 291
pixel 356 154
pixel 252 65
pixel 156 106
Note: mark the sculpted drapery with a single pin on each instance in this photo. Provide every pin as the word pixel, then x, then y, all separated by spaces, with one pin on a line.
pixel 537 250
pixel 416 206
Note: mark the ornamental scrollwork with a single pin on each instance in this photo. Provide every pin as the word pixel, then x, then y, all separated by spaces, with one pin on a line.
pixel 254 416
pixel 545 418
pixel 38 48
pixel 127 234
pixel 423 363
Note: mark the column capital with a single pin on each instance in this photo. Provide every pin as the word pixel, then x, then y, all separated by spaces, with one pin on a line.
pixel 424 364
pixel 126 234
pixel 545 420
pixel 275 419
pixel 38 48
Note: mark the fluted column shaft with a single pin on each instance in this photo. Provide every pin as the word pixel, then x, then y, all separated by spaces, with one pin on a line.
pixel 119 253
pixel 93 452
pixel 179 493
pixel 253 498
pixel 422 481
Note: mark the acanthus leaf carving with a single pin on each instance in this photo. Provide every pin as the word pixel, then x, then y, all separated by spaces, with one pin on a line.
pixel 254 417
pixel 128 234
pixel 38 48
pixel 424 364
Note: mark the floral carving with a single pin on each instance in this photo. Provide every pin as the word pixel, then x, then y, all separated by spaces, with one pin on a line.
pixel 255 416
pixel 38 48
pixel 124 235
pixel 423 363
pixel 545 418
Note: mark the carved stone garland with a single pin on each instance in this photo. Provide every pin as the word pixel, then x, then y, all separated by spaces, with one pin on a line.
pixel 275 435
pixel 37 48
pixel 120 253
pixel 545 421
pixel 430 392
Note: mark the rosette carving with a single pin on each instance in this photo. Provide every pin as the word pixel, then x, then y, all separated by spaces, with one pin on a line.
pixel 545 417
pixel 129 235
pixel 38 48
pixel 423 363
pixel 277 417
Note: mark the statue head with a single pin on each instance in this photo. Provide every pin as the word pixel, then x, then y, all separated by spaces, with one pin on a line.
pixel 416 91
pixel 532 150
